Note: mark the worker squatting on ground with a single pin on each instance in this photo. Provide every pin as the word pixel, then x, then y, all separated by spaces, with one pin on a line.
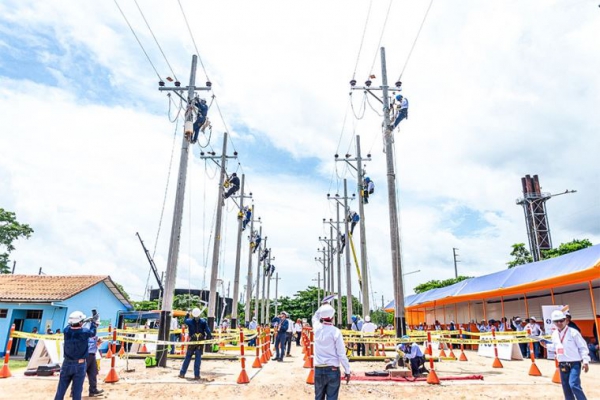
pixel 74 365
pixel 411 353
pixel 198 330
pixel 200 119
pixel 572 354
pixel 233 183
pixel 330 353
pixel 368 188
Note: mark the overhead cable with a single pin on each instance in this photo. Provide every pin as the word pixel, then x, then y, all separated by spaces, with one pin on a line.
pixel 415 41
pixel 152 33
pixel 138 40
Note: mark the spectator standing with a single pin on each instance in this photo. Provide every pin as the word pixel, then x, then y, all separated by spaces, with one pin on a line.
pixel 298 331
pixel 368 329
pixel 30 344
pixel 198 330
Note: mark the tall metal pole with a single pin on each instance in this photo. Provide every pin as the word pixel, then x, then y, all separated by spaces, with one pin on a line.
pixel 249 277
pixel 167 302
pixel 238 256
pixel 393 210
pixel 455 267
pixel 212 299
pixel 363 234
pixel 347 249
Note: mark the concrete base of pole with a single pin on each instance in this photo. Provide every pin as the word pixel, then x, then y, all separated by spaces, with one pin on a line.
pixel 233 323
pixel 400 324
pixel 163 334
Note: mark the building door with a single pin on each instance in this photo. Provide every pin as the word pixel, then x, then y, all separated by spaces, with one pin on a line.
pixel 14 350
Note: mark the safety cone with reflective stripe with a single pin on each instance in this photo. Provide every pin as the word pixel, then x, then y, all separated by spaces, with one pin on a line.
pixel 556 376
pixel 432 377
pixel 112 376
pixel 257 363
pixel 451 354
pixel 5 372
pixel 243 378
pixel 533 370
pixel 462 356
pixel 497 363
pixel 311 375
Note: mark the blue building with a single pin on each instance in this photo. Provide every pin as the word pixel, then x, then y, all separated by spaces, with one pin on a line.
pixel 45 302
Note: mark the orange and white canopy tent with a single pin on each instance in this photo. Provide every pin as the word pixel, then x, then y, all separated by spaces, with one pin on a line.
pixel 573 279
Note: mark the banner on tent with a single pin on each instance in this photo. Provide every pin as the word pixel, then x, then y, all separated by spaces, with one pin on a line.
pixel 506 351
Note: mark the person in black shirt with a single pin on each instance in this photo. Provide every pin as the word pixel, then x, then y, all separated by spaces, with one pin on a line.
pixel 234 185
pixel 570 323
pixel 74 365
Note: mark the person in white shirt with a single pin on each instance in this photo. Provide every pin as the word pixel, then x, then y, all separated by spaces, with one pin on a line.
pixel 535 331
pixel 369 328
pixel 483 327
pixel 330 352
pixel 252 326
pixel 417 359
pixel 174 337
pixel 298 331
pixel 572 355
pixel 402 110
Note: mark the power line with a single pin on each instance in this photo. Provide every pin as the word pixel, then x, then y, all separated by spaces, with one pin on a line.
pixel 362 39
pixel 415 41
pixel 193 40
pixel 152 33
pixel 381 37
pixel 138 40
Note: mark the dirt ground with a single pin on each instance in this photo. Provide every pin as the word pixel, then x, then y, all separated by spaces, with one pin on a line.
pixel 288 380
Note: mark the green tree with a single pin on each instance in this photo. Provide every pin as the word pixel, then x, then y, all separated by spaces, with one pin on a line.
pixel 521 255
pixel 566 248
pixel 435 284
pixel 122 289
pixel 10 230
pixel 145 305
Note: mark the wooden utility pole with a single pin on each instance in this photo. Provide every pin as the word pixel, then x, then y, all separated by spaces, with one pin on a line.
pixel 171 276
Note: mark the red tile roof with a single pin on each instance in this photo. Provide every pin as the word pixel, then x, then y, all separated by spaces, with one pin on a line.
pixel 47 288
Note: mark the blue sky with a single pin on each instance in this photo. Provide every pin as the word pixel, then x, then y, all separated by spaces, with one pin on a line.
pixel 497 91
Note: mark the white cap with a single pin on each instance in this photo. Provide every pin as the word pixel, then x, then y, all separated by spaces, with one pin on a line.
pixel 532 318
pixel 557 315
pixel 196 312
pixel 76 317
pixel 367 318
pixel 326 311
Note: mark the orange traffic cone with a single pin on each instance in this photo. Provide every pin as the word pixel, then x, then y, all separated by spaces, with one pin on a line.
pixel 451 354
pixel 442 353
pixel 122 350
pixel 377 353
pixel 243 378
pixel 497 363
pixel 5 372
pixel 556 376
pixel 109 353
pixel 534 370
pixel 432 378
pixel 311 377
pixel 462 357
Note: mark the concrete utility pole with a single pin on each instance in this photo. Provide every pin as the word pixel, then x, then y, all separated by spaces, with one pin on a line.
pixel 318 287
pixel 347 249
pixel 260 298
pixel 323 261
pixel 455 261
pixel 335 244
pixel 277 278
pixel 249 277
pixel 363 234
pixel 262 270
pixel 391 182
pixel 238 256
pixel 167 303
pixel 268 302
pixel 212 299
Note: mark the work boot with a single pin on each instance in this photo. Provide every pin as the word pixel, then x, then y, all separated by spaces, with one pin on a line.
pixel 181 376
pixel 97 392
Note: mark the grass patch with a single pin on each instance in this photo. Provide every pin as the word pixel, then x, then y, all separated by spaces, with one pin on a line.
pixel 17 364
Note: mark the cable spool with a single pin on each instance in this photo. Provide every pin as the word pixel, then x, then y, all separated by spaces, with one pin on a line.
pixel 188 128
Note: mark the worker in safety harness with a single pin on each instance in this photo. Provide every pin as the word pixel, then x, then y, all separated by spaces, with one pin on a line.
pixel 201 117
pixel 233 183
pixel 402 106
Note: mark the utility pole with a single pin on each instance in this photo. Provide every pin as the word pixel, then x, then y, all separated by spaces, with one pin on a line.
pixel 323 260
pixel 167 303
pixel 268 302
pixel 212 299
pixel 361 211
pixel 260 297
pixel 249 277
pixel 349 306
pixel 263 271
pixel 455 261
pixel 318 287
pixel 238 256
pixel 277 278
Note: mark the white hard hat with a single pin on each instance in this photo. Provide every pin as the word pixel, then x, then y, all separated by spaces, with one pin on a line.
pixel 557 315
pixel 367 318
pixel 196 312
pixel 76 317
pixel 326 311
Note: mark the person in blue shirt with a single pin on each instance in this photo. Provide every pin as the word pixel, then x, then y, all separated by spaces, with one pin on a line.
pixel 403 110
pixel 247 214
pixel 76 350
pixel 280 339
pixel 353 218
pixel 198 330
pixel 201 118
